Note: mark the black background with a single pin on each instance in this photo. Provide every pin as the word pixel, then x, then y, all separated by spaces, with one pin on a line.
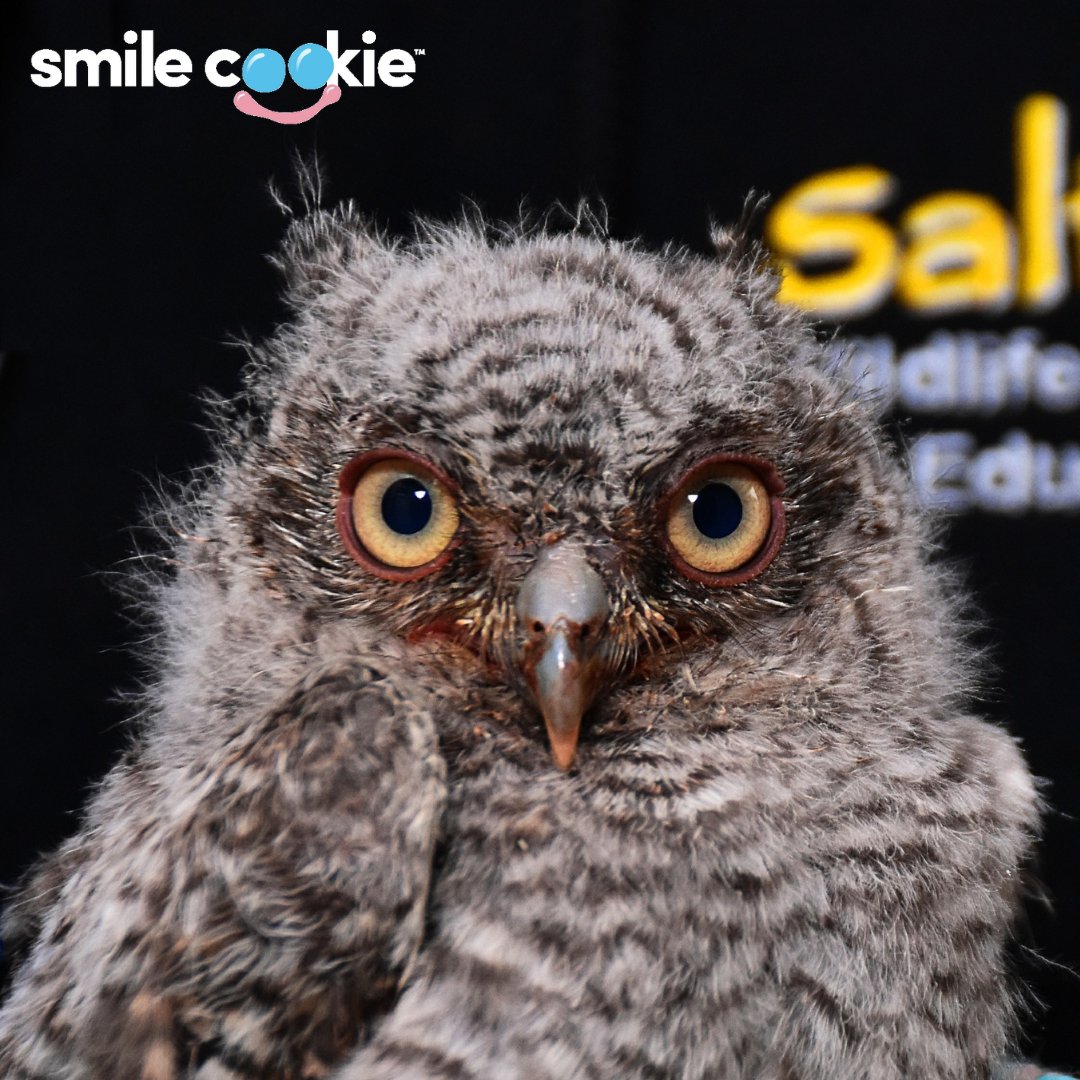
pixel 135 221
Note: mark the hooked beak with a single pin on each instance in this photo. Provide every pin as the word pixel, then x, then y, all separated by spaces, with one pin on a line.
pixel 562 604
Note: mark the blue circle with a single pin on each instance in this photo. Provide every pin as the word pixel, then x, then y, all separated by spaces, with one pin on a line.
pixel 718 511
pixel 311 66
pixel 406 506
pixel 263 70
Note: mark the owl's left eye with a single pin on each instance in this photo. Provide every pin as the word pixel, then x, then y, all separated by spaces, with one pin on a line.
pixel 396 514
pixel 724 520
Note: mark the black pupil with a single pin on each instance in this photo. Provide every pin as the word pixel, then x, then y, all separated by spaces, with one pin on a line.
pixel 718 511
pixel 406 506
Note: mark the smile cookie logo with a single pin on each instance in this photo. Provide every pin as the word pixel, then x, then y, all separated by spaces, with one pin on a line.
pixel 310 66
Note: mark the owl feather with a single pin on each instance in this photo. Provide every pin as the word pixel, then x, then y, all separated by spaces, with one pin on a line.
pixel 577 776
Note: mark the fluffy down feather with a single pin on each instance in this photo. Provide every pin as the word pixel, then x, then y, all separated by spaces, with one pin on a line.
pixel 338 845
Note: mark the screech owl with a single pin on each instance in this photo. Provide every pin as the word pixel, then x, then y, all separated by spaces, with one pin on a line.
pixel 554 680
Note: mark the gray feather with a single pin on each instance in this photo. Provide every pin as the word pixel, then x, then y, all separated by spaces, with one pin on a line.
pixel 786 851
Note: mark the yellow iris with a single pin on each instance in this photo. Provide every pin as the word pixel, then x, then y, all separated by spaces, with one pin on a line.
pixel 402 513
pixel 719 518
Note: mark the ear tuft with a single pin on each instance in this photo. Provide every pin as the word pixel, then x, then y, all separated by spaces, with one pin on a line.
pixel 735 243
pixel 325 250
pixel 745 262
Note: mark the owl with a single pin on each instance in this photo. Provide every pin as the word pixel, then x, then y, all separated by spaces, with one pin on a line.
pixel 554 678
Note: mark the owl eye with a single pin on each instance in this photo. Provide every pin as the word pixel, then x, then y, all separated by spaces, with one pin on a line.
pixel 396 514
pixel 724 520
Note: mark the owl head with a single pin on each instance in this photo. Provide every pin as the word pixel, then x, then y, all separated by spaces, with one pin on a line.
pixel 555 471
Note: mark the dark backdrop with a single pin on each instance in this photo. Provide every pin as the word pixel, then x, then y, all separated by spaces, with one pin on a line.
pixel 135 223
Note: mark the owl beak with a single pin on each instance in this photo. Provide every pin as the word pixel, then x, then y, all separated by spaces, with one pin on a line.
pixel 562 604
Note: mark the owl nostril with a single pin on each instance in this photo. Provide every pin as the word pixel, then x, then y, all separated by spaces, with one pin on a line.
pixel 583 632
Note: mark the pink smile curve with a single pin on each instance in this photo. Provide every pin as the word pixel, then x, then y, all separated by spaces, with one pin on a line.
pixel 247 104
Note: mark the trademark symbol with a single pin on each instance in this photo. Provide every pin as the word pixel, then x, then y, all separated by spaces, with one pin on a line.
pixel 419 52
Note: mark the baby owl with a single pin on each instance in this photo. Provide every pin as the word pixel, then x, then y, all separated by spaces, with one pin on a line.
pixel 553 683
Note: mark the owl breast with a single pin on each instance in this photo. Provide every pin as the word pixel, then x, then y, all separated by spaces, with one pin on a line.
pixel 719 901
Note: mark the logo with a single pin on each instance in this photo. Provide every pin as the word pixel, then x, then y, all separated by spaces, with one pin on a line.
pixel 311 66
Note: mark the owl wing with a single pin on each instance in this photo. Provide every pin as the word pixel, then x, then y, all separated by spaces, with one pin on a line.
pixel 257 908
pixel 24 911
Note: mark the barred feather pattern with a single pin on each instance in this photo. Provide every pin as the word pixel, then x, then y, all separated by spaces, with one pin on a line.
pixel 338 845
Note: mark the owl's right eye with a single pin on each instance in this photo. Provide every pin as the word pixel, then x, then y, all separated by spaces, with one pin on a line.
pixel 396 514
